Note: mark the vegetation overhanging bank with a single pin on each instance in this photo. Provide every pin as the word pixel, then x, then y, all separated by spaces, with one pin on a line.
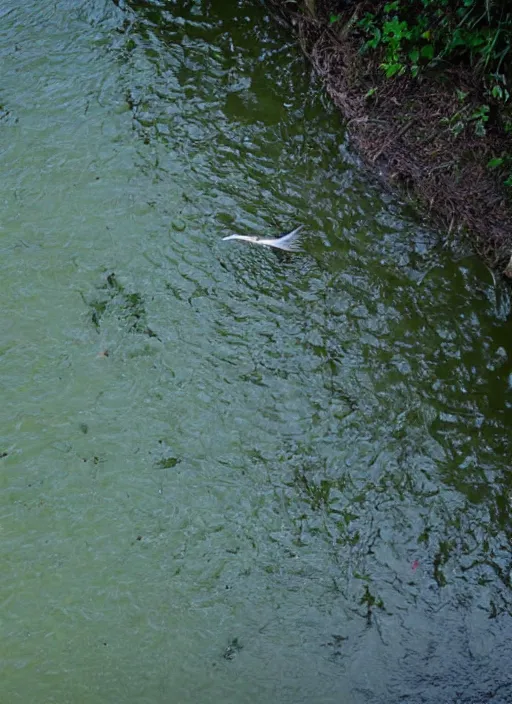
pixel 425 86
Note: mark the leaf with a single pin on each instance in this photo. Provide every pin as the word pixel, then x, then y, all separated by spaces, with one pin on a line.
pixel 458 128
pixel 334 18
pixel 390 6
pixel 495 162
pixel 479 128
pixel 373 43
pixel 414 55
pixel 392 69
pixel 481 114
pixel 396 29
pixel 427 51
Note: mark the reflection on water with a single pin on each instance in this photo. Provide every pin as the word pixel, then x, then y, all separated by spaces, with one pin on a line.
pixel 229 474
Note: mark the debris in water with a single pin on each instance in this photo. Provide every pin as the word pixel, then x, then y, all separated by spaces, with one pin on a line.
pixel 233 648
pixel 287 243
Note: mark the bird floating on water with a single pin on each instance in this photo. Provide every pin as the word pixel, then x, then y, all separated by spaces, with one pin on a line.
pixel 287 243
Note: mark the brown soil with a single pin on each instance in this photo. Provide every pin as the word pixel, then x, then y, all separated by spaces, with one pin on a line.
pixel 403 129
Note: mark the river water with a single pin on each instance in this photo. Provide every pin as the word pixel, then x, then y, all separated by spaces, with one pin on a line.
pixel 229 475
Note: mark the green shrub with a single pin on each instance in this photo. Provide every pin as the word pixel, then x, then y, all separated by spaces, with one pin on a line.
pixel 430 34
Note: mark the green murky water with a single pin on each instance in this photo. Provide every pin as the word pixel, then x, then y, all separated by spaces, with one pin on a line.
pixel 230 476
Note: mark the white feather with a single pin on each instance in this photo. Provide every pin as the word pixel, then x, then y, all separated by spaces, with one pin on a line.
pixel 288 243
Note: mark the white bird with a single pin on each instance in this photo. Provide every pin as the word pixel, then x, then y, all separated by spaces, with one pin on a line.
pixel 288 243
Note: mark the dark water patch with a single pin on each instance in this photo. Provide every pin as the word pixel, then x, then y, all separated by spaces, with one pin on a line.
pixel 126 306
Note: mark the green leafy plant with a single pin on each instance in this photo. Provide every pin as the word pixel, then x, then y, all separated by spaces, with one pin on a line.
pixel 419 34
pixel 480 116
pixel 414 34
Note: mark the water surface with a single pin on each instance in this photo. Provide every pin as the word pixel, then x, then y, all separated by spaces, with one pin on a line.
pixel 229 475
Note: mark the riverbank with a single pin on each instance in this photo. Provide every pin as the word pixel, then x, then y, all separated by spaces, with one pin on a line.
pixel 418 132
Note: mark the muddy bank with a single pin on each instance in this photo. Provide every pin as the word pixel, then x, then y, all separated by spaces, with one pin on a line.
pixel 403 128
